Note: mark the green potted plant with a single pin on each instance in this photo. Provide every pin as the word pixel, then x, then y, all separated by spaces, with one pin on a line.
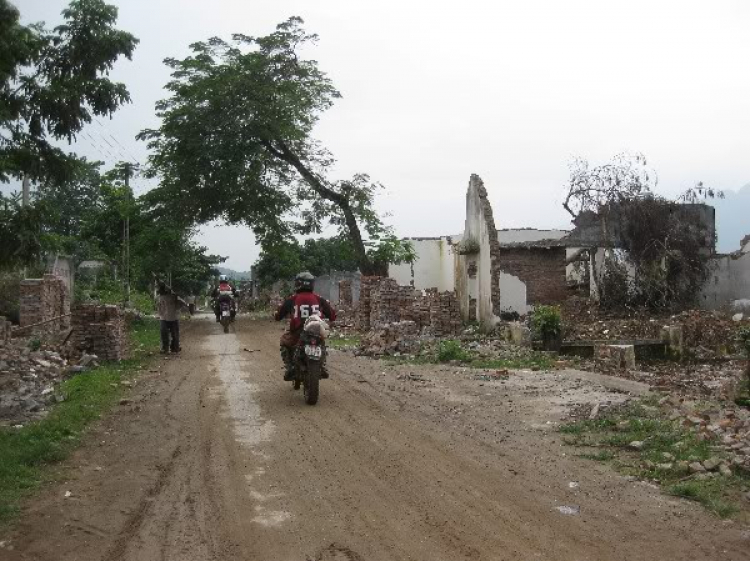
pixel 546 325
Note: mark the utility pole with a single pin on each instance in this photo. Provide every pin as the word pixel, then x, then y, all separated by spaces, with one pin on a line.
pixel 127 170
pixel 25 190
pixel 127 238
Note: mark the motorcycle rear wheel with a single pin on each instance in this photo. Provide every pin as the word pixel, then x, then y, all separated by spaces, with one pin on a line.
pixel 312 382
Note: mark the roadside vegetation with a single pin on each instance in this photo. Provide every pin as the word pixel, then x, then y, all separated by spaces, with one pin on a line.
pixel 452 351
pixel 28 453
pixel 639 441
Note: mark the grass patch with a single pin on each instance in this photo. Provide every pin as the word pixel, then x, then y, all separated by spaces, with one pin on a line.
pixel 452 350
pixel 343 342
pixel 666 450
pixel 27 453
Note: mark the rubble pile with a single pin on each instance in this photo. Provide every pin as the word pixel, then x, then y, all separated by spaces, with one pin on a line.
pixel 27 380
pixel 726 429
pixel 5 331
pixel 400 337
pixel 99 330
pixel 708 334
pixel 42 300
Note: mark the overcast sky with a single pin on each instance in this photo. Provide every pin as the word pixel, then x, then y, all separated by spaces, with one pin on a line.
pixel 512 91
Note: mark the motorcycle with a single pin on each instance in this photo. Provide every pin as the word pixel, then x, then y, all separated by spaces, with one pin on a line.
pixel 225 314
pixel 308 357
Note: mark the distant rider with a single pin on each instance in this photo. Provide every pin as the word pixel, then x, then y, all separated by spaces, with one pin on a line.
pixel 225 291
pixel 299 307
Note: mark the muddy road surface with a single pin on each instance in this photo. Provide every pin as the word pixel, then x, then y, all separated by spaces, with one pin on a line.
pixel 215 458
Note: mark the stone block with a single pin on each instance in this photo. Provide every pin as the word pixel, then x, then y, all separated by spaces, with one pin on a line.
pixel 618 357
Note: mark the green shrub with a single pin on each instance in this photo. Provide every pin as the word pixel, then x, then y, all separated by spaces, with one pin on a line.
pixel 546 322
pixel 452 350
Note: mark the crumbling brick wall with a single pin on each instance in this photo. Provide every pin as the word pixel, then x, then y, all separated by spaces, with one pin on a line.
pixel 388 303
pixel 100 330
pixel 42 300
pixel 541 269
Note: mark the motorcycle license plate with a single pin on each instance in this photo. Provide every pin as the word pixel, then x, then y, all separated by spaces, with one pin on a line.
pixel 225 313
pixel 313 351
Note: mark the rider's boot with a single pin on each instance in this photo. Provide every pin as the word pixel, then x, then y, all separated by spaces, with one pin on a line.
pixel 286 356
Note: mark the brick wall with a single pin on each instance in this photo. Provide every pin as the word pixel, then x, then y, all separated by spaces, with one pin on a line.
pixel 383 302
pixel 541 269
pixel 42 300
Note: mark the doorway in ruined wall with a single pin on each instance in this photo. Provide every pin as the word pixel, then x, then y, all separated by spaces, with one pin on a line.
pixel 513 297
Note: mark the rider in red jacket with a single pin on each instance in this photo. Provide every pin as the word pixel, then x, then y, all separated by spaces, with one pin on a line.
pixel 300 306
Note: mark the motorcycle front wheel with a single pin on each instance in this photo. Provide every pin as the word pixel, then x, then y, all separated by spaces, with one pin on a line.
pixel 312 382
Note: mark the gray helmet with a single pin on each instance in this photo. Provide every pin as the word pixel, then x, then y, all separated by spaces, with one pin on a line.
pixel 304 282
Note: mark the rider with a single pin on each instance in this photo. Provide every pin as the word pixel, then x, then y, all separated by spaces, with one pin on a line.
pixel 300 306
pixel 223 291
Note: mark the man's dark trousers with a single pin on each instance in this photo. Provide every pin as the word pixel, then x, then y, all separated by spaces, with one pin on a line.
pixel 170 328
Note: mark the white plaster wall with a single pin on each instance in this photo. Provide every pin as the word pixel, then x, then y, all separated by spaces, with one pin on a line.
pixel 729 281
pixel 434 266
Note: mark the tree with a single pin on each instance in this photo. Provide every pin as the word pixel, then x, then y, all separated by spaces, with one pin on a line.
pixel 284 260
pixel 236 143
pixel 658 251
pixel 21 233
pixel 52 83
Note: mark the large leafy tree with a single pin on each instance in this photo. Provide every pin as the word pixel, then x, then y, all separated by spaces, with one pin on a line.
pixel 52 83
pixel 284 260
pixel 236 143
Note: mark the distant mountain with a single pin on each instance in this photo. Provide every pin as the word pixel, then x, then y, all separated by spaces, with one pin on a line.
pixel 234 275
pixel 732 219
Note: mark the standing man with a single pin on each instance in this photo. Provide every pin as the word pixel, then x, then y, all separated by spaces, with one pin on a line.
pixel 169 312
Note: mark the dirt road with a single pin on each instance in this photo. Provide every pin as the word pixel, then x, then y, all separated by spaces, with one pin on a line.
pixel 216 459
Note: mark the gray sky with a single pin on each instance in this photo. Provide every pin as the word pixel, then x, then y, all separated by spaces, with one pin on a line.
pixel 434 91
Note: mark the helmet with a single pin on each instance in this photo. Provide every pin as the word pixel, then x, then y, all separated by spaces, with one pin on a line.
pixel 304 282
pixel 222 278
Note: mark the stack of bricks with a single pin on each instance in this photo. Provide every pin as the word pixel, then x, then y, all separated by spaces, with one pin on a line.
pixel 346 297
pixel 384 303
pixel 445 318
pixel 367 284
pixel 42 300
pixel 100 330
pixel 5 331
pixel 345 313
pixel 421 308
